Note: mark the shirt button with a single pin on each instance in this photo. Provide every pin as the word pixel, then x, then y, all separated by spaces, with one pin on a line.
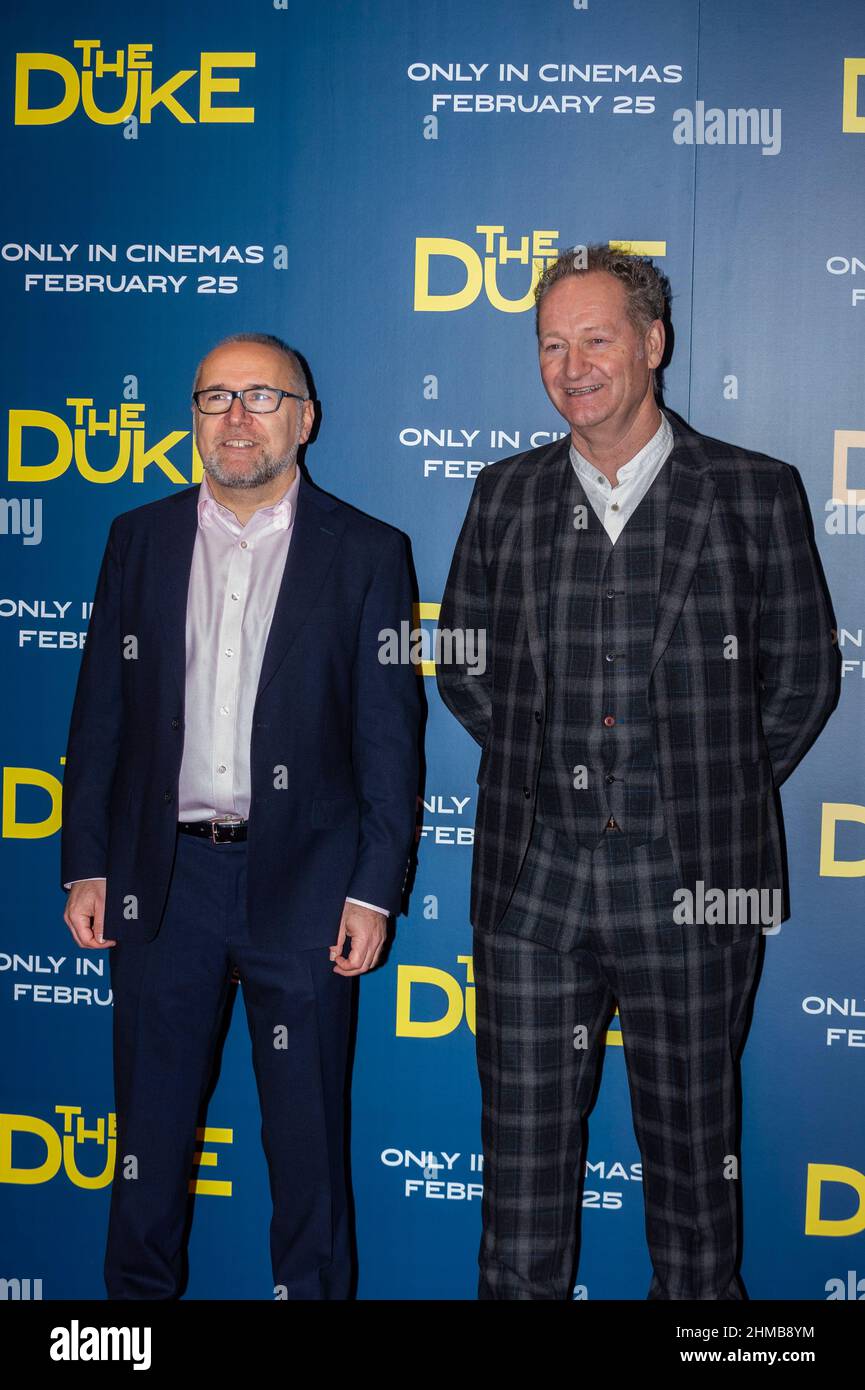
pixel 235 596
pixel 609 720
pixel 614 506
pixel 229 651
pixel 223 709
pixel 221 767
pixel 244 545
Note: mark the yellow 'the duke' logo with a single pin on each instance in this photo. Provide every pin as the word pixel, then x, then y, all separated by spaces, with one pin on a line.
pixel 479 268
pixel 116 87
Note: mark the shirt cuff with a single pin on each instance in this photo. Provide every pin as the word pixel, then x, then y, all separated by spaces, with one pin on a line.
pixel 383 910
pixel 83 880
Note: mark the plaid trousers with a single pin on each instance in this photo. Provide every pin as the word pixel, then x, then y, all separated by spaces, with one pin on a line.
pixel 584 929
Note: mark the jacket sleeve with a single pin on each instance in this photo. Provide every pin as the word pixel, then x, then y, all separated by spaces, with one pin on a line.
pixel 94 731
pixel 799 663
pixel 467 692
pixel 386 729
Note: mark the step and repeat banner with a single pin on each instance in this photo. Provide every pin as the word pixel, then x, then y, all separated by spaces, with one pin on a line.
pixel 380 183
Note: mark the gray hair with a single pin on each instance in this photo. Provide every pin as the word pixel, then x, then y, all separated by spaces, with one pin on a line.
pixel 268 340
pixel 646 287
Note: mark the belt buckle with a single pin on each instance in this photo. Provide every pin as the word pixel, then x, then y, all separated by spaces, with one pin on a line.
pixel 221 824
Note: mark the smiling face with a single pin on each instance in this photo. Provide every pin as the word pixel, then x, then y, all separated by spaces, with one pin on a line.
pixel 244 450
pixel 596 366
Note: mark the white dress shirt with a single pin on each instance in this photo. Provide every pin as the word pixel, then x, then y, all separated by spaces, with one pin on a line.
pixel 233 587
pixel 614 506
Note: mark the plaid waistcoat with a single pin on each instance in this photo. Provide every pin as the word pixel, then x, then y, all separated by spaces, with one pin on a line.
pixel 602 615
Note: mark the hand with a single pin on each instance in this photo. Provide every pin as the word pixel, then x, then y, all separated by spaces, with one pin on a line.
pixel 86 904
pixel 367 931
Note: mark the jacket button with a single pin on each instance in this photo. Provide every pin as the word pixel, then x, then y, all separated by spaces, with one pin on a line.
pixel 609 778
pixel 609 721
pixel 175 723
pixel 526 792
pixel 166 796
pixel 537 716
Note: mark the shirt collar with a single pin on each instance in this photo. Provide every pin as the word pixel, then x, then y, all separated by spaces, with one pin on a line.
pixel 660 443
pixel 279 515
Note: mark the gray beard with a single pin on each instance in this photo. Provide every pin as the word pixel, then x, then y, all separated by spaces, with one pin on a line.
pixel 268 468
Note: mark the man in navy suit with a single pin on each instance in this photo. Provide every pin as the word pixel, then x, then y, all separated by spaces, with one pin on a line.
pixel 239 796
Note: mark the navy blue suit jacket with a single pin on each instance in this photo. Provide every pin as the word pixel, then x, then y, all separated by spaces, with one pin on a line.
pixel 344 725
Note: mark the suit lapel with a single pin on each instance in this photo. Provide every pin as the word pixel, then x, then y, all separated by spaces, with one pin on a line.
pixel 544 495
pixel 314 544
pixel 318 525
pixel 176 544
pixel 692 493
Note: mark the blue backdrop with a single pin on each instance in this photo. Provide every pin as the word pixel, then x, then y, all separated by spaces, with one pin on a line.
pixel 380 184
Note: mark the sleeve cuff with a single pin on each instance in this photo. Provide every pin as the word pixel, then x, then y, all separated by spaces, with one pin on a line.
pixel 383 910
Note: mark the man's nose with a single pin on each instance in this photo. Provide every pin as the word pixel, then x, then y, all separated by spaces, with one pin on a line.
pixel 236 412
pixel 576 364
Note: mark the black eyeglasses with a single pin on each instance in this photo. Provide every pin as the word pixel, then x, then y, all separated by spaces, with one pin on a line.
pixel 258 400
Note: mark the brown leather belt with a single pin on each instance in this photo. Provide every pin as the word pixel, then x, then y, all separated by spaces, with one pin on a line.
pixel 219 832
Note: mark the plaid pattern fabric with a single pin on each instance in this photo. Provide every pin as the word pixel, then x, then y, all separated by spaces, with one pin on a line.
pixel 683 1006
pixel 602 611
pixel 742 671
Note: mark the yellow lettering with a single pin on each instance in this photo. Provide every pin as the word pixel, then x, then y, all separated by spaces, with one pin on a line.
pixel 852 122
pixel 15 777
pixel 406 1026
pixel 28 1124
pixel 164 96
pixel 209 85
pixel 157 454
pixel 425 249
pixel 817 1225
pixel 830 867
pixel 845 440
pixel 510 306
pixel 123 112
pixel 25 114
pixel 18 471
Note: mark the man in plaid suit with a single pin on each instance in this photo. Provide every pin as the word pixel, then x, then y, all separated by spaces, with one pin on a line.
pixel 659 658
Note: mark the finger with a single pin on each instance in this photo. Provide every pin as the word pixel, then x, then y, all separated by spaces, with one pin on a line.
pixel 89 937
pixel 352 964
pixel 336 950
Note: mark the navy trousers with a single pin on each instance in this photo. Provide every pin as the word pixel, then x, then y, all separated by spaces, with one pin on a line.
pixel 169 1000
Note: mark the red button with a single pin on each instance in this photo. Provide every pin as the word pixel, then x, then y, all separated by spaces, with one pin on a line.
pixel 609 720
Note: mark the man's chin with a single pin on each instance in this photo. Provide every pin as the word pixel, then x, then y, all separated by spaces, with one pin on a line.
pixel 244 476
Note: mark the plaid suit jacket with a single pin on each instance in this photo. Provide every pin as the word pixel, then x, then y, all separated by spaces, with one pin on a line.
pixel 744 671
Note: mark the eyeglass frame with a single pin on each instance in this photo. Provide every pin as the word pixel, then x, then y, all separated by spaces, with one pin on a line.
pixel 240 395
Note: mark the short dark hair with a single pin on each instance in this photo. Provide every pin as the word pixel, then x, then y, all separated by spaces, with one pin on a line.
pixel 646 287
pixel 268 340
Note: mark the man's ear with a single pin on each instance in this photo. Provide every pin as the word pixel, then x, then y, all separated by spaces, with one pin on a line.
pixel 655 339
